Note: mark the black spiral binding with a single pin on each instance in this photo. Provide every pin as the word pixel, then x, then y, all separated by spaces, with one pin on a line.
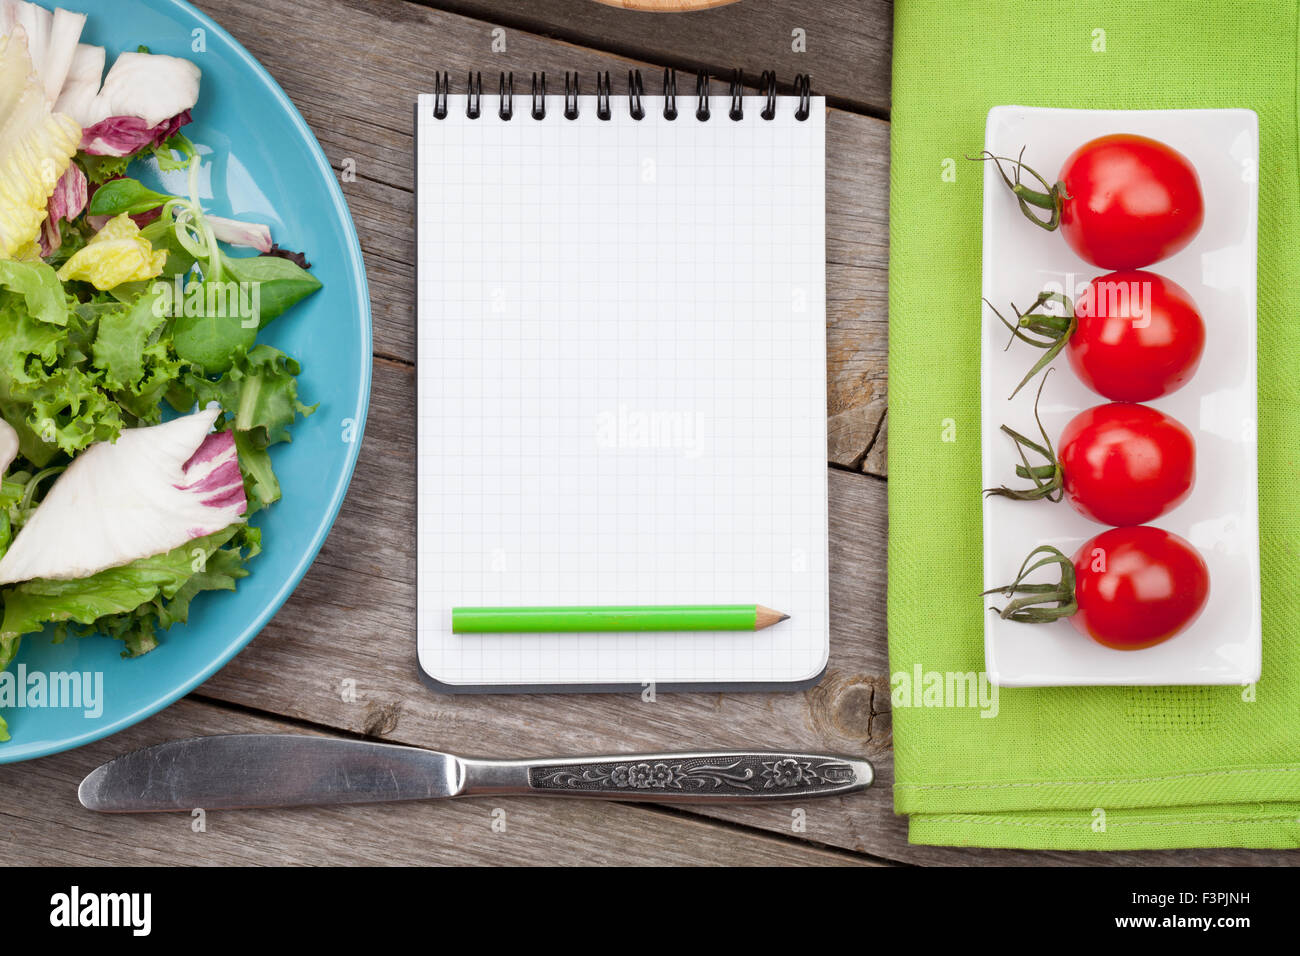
pixel 570 97
pixel 602 95
pixel 539 97
pixel 635 90
pixel 803 88
pixel 767 93
pixel 507 108
pixel 474 100
pixel 441 88
pixel 737 111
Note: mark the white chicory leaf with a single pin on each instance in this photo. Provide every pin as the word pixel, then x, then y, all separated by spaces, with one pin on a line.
pixel 253 235
pixel 152 490
pixel 149 86
pixel 51 36
pixel 8 445
pixel 36 146
pixel 81 85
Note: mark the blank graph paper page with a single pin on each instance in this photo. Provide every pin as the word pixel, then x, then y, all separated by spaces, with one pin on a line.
pixel 621 387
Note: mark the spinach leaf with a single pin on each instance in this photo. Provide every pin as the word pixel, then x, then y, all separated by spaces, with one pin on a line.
pixel 212 329
pixel 124 195
pixel 281 284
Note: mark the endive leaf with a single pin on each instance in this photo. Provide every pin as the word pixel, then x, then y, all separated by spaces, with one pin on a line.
pixel 36 146
pixel 149 492
pixel 116 255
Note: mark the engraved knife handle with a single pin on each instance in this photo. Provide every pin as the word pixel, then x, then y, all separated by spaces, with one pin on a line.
pixel 702 777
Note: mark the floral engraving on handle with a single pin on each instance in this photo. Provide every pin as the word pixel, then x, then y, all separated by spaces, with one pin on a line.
pixel 756 773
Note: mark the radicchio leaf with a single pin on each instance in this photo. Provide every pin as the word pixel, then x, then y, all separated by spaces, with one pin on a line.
pixel 66 203
pixel 127 135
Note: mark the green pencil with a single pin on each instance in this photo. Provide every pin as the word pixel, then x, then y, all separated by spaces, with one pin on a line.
pixel 699 617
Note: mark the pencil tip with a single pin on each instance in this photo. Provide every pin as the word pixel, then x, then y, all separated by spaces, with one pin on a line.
pixel 783 617
pixel 766 617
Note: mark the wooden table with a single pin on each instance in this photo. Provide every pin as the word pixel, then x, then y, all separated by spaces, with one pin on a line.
pixel 353 68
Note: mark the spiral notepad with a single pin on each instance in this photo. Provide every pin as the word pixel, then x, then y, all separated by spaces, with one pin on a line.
pixel 621 378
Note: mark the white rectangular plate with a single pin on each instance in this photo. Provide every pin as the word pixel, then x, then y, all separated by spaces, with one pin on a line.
pixel 1218 405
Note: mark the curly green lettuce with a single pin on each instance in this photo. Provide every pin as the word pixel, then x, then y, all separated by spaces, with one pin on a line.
pixel 94 338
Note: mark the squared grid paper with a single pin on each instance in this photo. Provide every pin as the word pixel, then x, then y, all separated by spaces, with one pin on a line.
pixel 621 387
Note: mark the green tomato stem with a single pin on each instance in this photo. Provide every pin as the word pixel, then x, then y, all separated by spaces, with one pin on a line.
pixel 1048 478
pixel 1041 603
pixel 1049 197
pixel 1053 331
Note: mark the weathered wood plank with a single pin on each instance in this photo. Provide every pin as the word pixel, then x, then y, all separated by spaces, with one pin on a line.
pixel 353 70
pixel 852 433
pixel 62 832
pixel 875 462
pixel 360 107
pixel 847 42
pixel 666 6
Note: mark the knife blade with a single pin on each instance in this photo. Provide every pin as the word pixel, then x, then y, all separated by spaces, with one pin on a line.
pixel 237 771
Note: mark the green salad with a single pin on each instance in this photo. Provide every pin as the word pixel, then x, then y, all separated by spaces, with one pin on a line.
pixel 137 402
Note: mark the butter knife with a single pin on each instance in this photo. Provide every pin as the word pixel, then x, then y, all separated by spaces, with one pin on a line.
pixel 235 771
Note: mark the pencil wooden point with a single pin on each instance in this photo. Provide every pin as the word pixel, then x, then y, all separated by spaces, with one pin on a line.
pixel 766 617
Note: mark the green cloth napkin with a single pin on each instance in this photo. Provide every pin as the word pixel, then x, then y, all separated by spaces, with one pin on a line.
pixel 1075 768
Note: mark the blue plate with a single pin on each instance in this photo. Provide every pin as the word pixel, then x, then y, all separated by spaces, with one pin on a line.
pixel 265 166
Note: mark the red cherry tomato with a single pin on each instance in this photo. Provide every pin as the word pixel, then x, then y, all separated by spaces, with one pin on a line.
pixel 1139 336
pixel 1125 464
pixel 1137 587
pixel 1127 201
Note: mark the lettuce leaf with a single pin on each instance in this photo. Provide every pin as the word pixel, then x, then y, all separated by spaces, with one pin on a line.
pixel 68 413
pixel 115 255
pixel 36 146
pixel 122 341
pixel 100 169
pixel 39 287
pixel 132 602
pixel 53 408
pixel 27 345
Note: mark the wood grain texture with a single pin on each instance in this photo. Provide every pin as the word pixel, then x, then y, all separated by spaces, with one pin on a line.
pixel 353 67
pixel 846 42
pixel 428 832
pixel 666 6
